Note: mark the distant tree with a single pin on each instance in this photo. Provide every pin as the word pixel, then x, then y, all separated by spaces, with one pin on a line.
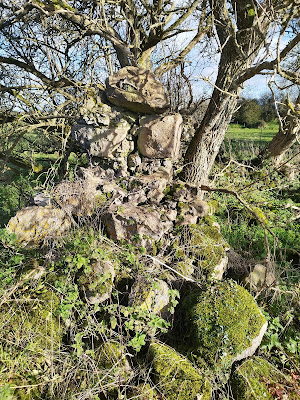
pixel 267 104
pixel 249 113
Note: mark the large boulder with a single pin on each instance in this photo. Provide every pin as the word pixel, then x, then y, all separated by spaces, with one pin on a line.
pixel 135 223
pixel 103 130
pixel 159 137
pixel 32 225
pixel 175 377
pixel 137 90
pixel 225 325
pixel 256 379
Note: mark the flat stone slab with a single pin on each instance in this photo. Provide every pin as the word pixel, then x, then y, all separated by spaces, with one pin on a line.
pixel 137 89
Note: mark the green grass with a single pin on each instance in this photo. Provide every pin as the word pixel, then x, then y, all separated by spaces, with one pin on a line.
pixel 265 134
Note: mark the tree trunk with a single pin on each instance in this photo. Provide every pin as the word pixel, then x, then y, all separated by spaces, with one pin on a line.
pixel 285 138
pixel 204 147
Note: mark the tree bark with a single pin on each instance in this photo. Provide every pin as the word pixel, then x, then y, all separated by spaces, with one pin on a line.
pixel 204 147
pixel 284 139
pixel 240 41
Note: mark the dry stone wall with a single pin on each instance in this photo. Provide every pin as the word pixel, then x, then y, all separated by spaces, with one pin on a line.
pixel 131 184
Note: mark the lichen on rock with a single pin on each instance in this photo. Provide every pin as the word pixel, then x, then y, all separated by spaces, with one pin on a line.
pixel 175 376
pixel 151 295
pixel 32 225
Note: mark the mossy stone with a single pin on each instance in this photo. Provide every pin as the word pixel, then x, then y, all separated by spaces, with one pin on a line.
pixel 203 244
pixel 257 379
pixel 222 321
pixel 111 359
pixel 175 376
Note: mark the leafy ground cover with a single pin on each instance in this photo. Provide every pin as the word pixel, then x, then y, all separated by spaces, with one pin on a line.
pixel 273 195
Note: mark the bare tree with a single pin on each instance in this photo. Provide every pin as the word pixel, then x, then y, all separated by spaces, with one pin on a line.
pixel 244 32
pixel 54 50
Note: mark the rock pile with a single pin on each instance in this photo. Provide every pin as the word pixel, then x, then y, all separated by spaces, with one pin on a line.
pixel 131 186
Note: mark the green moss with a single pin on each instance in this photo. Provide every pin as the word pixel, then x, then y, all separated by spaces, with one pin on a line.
pixel 111 359
pixel 260 214
pixel 175 375
pixel 98 281
pixel 223 321
pixel 29 346
pixel 201 243
pixel 258 379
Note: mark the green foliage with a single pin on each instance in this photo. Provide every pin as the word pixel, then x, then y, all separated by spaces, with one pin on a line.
pixel 282 339
pixel 249 113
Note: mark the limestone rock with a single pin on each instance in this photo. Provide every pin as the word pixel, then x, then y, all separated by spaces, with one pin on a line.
pixel 137 197
pixel 159 137
pixel 203 244
pixel 131 222
pixel 200 206
pixel 151 295
pixel 103 130
pixel 97 189
pixel 100 142
pixel 137 90
pixel 175 376
pixel 134 160
pixel 226 325
pixel 153 185
pixel 76 197
pixel 220 269
pixel 34 224
pixel 190 212
pixel 98 283
pixel 42 199
pixel 259 277
pixel 256 378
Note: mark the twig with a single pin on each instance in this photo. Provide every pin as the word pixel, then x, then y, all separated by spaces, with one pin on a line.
pixel 170 268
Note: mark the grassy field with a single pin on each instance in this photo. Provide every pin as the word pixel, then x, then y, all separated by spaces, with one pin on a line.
pixel 265 134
